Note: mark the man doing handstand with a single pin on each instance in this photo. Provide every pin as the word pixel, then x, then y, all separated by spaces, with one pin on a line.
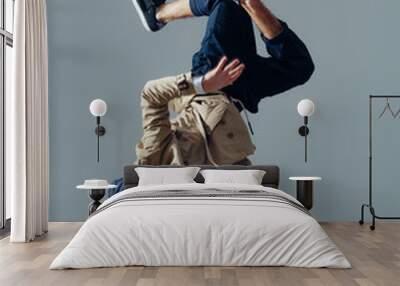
pixel 227 66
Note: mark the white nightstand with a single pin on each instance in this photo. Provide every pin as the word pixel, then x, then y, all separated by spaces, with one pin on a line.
pixel 304 190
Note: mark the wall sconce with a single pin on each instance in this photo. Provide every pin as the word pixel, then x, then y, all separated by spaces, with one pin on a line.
pixel 98 108
pixel 305 108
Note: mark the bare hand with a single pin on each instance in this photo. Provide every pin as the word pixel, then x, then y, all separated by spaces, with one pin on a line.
pixel 251 6
pixel 268 24
pixel 222 75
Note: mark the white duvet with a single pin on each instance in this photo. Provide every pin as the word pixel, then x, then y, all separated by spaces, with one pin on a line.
pixel 200 231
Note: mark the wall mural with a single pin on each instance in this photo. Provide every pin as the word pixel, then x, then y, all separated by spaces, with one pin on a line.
pixel 227 78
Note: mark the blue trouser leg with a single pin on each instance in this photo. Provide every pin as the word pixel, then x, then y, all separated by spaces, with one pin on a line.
pixel 230 32
pixel 290 65
pixel 203 7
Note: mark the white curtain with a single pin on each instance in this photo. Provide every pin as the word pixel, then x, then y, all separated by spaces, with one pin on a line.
pixel 27 135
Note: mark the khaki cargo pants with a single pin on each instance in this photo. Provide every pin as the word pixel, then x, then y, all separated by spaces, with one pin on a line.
pixel 207 129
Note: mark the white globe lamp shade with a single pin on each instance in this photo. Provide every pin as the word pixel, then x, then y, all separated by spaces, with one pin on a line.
pixel 306 107
pixel 98 107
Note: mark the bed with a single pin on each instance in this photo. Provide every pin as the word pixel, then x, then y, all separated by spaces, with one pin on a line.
pixel 199 224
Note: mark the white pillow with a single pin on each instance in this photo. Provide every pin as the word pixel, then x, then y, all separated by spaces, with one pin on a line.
pixel 165 176
pixel 247 177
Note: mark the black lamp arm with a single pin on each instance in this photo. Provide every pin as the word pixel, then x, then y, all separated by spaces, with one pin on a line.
pixel 304 131
pixel 100 131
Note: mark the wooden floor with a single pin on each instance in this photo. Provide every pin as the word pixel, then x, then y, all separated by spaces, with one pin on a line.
pixel 375 257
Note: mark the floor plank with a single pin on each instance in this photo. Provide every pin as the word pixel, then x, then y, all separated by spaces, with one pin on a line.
pixel 375 257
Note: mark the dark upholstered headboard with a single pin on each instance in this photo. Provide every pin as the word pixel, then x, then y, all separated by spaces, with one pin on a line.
pixel 271 177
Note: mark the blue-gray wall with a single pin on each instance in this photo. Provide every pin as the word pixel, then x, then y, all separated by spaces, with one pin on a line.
pixel 98 49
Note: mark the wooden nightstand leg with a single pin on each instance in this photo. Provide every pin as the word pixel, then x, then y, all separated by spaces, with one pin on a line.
pixel 305 193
